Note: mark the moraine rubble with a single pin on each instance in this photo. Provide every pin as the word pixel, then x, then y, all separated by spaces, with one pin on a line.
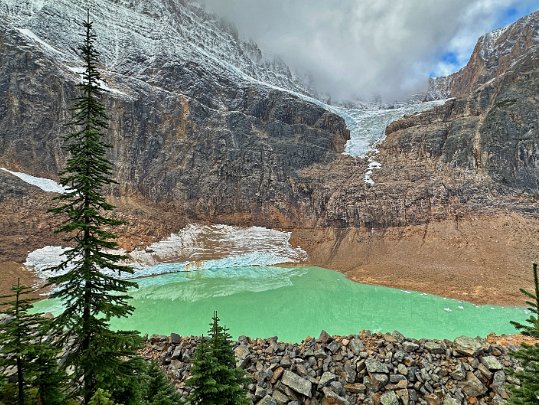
pixel 386 369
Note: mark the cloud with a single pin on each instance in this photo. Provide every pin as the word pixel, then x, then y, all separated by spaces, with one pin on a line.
pixel 368 48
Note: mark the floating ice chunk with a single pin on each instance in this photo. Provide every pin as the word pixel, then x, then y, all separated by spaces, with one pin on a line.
pixel 448 310
pixel 44 184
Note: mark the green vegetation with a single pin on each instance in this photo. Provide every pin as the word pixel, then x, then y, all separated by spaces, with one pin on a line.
pixel 214 375
pixel 88 282
pixel 25 351
pixel 528 391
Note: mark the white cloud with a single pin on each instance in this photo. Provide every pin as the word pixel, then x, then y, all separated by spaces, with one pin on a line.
pixel 365 48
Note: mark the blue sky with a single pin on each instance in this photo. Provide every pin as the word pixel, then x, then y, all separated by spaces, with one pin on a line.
pixel 370 48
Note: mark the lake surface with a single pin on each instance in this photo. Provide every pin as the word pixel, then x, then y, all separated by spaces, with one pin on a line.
pixel 295 302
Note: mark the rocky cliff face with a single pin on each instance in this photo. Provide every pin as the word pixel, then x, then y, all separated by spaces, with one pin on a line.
pixel 203 128
pixel 187 128
pixel 476 153
pixel 495 54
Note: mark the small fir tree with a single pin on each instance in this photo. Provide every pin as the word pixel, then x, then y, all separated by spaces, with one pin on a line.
pixel 159 390
pixel 528 391
pixel 88 280
pixel 214 376
pixel 25 348
pixel 101 397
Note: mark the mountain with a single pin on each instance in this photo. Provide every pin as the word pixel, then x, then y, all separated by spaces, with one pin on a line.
pixel 204 129
pixel 191 122
pixel 495 54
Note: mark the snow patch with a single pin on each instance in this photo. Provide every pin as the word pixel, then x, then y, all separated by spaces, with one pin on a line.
pixel 196 247
pixel 196 243
pixel 44 184
pixel 28 33
pixel 373 165
pixel 100 83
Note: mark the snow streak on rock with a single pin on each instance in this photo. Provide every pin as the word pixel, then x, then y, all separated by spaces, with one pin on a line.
pixel 47 185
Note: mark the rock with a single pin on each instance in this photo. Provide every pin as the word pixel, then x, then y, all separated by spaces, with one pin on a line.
pixel 473 387
pixel 404 396
pixel 498 379
pixel 484 371
pixel 333 346
pixel 350 373
pixel 389 398
pixel 434 348
pixel 242 356
pixel 402 369
pixel 395 378
pixel 448 400
pixel 175 338
pixel 176 354
pixel 280 397
pixel 277 374
pixel 297 383
pixel 356 345
pixel 378 381
pixel 355 388
pixel 491 363
pixel 267 400
pixel 375 366
pixel 467 346
pixel 286 361
pixel 326 378
pixel 459 373
pixel 260 392
pixel 432 399
pixel 410 346
pixel 337 387
pixel 332 398
pixel 325 337
pixel 498 400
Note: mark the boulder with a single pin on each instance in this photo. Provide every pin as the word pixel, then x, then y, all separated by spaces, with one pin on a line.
pixel 389 398
pixel 467 346
pixel 473 386
pixel 491 363
pixel 375 366
pixel 297 383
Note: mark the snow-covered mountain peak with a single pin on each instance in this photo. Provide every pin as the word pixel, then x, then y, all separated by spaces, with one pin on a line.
pixel 132 33
pixel 138 39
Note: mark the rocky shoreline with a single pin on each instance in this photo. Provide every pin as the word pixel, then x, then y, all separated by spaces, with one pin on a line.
pixel 387 369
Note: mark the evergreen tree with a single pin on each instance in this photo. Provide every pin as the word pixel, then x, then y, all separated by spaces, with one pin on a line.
pixel 24 348
pixel 159 390
pixel 101 397
pixel 88 280
pixel 214 375
pixel 528 392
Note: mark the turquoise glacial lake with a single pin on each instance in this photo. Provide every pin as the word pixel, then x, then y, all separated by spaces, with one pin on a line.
pixel 295 302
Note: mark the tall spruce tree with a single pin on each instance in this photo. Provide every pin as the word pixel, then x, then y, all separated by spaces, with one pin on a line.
pixel 528 391
pixel 88 280
pixel 25 348
pixel 214 376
